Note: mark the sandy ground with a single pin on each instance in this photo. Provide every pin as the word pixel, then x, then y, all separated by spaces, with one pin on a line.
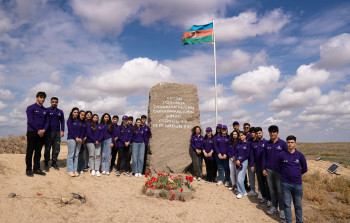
pixel 112 199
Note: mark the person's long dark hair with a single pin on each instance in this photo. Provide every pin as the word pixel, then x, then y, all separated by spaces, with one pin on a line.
pixel 93 124
pixel 135 126
pixel 234 141
pixel 71 113
pixel 216 131
pixel 82 121
pixel 87 112
pixel 194 130
pixel 211 139
pixel 109 123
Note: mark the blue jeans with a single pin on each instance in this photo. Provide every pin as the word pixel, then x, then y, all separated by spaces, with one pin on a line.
pixel 138 155
pixel 81 158
pixel 106 154
pixel 251 177
pixel 72 156
pixel 296 192
pixel 223 167
pixel 240 178
pixel 274 182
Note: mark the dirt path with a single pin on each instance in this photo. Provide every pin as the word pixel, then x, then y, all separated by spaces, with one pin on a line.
pixel 112 199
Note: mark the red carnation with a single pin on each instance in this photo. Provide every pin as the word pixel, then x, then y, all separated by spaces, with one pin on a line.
pixel 172 194
pixel 181 189
pixel 171 198
pixel 190 179
pixel 187 177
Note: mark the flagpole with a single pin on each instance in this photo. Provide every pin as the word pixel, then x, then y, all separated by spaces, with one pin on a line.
pixel 216 92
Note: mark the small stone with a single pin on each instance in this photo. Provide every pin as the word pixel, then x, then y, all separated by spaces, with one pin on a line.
pixel 64 200
pixel 12 195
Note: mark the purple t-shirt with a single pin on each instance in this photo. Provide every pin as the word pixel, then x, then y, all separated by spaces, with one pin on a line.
pixel 208 146
pixel 37 118
pixel 271 153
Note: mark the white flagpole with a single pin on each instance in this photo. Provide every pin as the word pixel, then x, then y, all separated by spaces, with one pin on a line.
pixel 216 92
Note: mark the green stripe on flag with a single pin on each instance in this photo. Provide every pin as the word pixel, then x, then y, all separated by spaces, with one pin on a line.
pixel 203 39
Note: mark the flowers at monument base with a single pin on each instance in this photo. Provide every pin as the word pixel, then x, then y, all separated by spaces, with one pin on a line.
pixel 168 186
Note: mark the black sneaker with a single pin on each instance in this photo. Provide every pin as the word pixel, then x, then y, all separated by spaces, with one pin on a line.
pixel 55 166
pixel 29 173
pixel 39 172
pixel 47 169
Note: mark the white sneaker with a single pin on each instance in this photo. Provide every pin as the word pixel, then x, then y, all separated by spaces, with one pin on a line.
pixel 98 173
pixel 103 172
pixel 81 172
pixel 140 175
pixel 107 173
pixel 245 194
pixel 230 188
pixel 199 179
pixel 272 211
pixel 239 196
pixel 93 173
pixel 227 184
pixel 219 183
pixel 127 174
pixel 260 197
pixel 136 175
pixel 268 203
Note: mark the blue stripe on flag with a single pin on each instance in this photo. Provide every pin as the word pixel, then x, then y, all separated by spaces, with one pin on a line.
pixel 201 27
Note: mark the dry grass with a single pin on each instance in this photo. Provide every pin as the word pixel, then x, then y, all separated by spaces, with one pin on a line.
pixel 328 196
pixel 338 152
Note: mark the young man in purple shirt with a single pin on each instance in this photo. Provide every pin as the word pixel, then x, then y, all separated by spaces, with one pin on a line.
pixel 269 166
pixel 257 148
pixel 54 134
pixel 114 151
pixel 37 125
pixel 148 135
pixel 292 164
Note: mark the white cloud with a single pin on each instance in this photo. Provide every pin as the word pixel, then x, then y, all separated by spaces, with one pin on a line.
pixel 283 114
pixel 335 52
pixel 224 104
pixel 2 105
pixel 248 24
pixel 271 121
pixel 6 94
pixel 136 76
pixel 257 84
pixel 288 98
pixel 305 117
pixel 308 76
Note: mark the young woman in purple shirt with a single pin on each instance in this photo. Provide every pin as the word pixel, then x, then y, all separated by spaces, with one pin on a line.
pixel 221 147
pixel 94 137
pixel 74 141
pixel 88 116
pixel 234 140
pixel 196 153
pixel 81 159
pixel 138 148
pixel 208 154
pixel 242 154
pixel 106 143
pixel 124 134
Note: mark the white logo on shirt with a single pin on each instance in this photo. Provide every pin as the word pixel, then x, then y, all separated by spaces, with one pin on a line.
pixel 285 161
pixel 279 148
pixel 297 161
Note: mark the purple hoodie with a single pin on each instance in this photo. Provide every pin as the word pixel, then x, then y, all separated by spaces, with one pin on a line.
pixel 232 149
pixel 271 153
pixel 139 136
pixel 256 152
pixel 74 129
pixel 242 150
pixel 221 144
pixel 37 118
pixel 92 136
pixel 56 119
pixel 208 146
pixel 105 132
pixel 197 142
pixel 291 166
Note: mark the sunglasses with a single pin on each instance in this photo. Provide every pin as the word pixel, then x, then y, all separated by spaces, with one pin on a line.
pixel 246 127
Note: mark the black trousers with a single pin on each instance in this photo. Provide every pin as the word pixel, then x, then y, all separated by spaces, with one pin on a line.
pixel 145 160
pixel 262 182
pixel 114 156
pixel 211 169
pixel 53 140
pixel 34 145
pixel 124 158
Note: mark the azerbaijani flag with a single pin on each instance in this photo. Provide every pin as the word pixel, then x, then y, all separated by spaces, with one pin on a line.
pixel 198 34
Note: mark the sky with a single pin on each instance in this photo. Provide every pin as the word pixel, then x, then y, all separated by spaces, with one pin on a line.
pixel 278 62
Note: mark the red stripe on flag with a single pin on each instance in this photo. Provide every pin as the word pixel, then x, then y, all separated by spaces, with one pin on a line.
pixel 198 33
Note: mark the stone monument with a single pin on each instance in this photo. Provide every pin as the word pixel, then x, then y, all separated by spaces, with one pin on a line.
pixel 172 113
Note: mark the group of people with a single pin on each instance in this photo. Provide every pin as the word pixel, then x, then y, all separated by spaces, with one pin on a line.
pixel 276 163
pixel 93 144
